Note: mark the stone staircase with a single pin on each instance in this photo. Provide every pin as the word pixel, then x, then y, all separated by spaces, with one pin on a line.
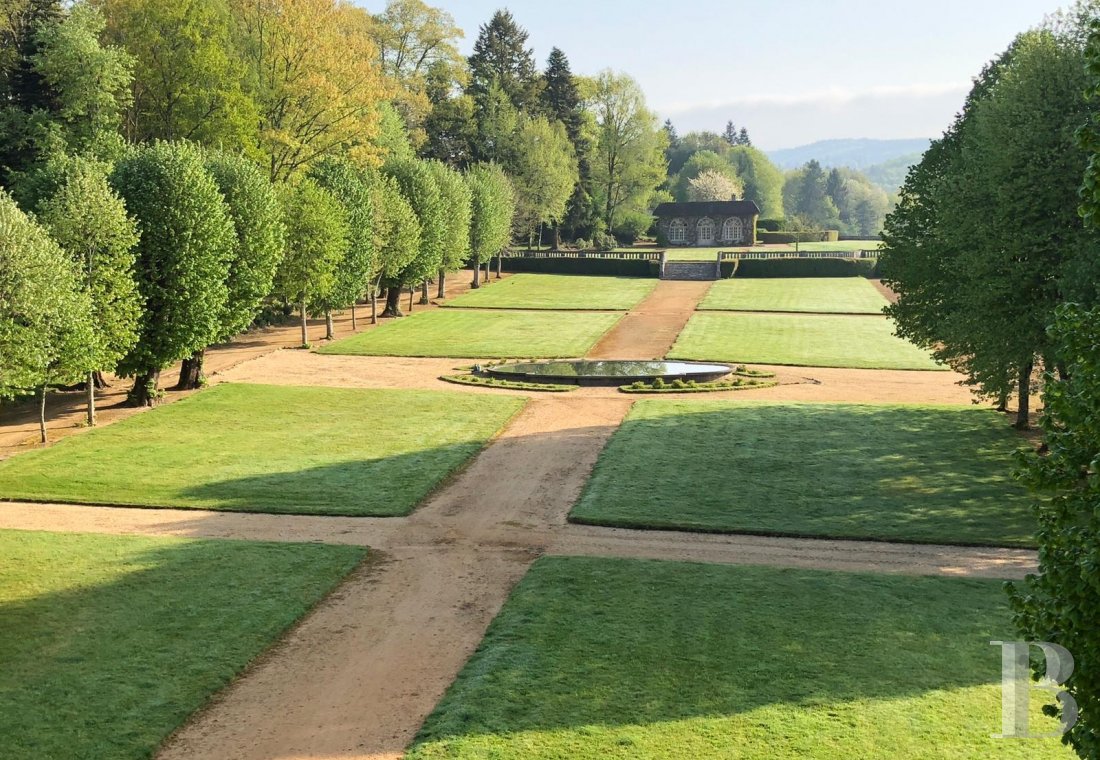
pixel 690 270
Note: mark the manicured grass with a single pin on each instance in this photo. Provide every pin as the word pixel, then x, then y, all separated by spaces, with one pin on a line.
pixel 108 643
pixel 262 448
pixel 840 295
pixel 932 474
pixel 609 658
pixel 558 291
pixel 461 333
pixel 831 340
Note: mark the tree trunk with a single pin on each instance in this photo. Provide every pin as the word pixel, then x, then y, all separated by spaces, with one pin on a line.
pixel 393 303
pixel 144 392
pixel 412 292
pixel 477 276
pixel 557 237
pixel 1023 421
pixel 354 324
pixel 305 325
pixel 442 292
pixel 100 380
pixel 1002 401
pixel 487 271
pixel 500 259
pixel 191 376
pixel 330 332
pixel 42 413
pixel 424 300
pixel 90 390
pixel 374 306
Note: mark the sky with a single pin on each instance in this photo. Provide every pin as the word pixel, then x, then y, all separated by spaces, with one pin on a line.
pixel 791 71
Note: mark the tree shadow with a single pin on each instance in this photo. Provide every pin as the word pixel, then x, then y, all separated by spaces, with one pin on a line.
pixel 109 643
pixel 585 644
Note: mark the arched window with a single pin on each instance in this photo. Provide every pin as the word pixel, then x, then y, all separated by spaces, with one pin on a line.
pixel 704 231
pixel 677 231
pixel 732 230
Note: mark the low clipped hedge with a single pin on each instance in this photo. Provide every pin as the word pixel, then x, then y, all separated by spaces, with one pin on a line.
pixel 595 266
pixel 808 236
pixel 800 268
pixel 769 225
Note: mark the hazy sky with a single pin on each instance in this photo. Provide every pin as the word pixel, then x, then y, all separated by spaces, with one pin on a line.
pixel 792 71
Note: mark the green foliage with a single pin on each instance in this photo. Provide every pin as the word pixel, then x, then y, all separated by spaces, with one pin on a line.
pixel 986 241
pixel 90 82
pixel 317 237
pixel 457 200
pixel 183 257
pixel 805 196
pixel 800 236
pixel 189 76
pixel 417 182
pixel 485 381
pixel 396 230
pixel 356 270
pixel 279 449
pixel 46 333
pixel 1059 604
pixel 703 162
pixel 502 59
pixel 257 216
pixel 492 208
pixel 544 169
pixel 88 619
pixel 629 159
pixel 89 221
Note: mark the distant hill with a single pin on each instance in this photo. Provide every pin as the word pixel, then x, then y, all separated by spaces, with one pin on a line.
pixel 890 175
pixel 855 154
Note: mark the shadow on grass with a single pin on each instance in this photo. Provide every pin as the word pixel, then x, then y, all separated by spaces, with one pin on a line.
pixel 108 643
pixel 897 473
pixel 589 644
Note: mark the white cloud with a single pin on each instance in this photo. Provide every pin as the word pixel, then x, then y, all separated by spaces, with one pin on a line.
pixel 786 120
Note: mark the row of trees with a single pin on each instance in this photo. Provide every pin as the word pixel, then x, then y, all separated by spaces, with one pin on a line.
pixel 992 252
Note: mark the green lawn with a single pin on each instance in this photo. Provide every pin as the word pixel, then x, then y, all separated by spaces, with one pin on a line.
pixel 108 643
pixel 933 474
pixel 558 291
pixel 609 658
pixel 830 340
pixel 261 448
pixel 840 295
pixel 476 334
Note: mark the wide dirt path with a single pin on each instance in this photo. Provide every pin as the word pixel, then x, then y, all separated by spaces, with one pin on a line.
pixel 650 328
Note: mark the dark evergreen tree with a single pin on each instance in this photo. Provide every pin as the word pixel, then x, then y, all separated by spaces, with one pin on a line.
pixel 743 138
pixel 834 188
pixel 501 57
pixel 730 135
pixel 450 125
pixel 561 101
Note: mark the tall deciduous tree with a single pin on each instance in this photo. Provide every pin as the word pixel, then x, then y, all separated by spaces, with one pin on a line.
pixel 46 332
pixel 630 148
pixel 415 43
pixel 456 198
pixel 492 209
pixel 189 78
pixel 314 71
pixel 254 209
pixel 354 272
pixel 90 223
pixel 183 257
pixel 417 183
pixel 396 235
pixel 545 172
pixel 316 242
